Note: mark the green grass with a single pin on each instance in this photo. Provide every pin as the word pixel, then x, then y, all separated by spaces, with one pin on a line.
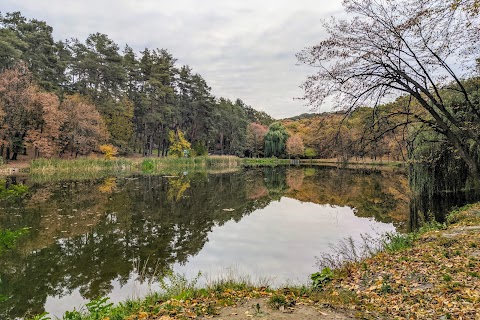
pixel 91 168
pixel 468 214
pixel 393 242
pixel 156 165
pixel 353 161
pixel 264 161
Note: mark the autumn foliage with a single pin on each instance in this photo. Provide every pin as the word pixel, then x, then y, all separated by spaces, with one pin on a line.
pixel 37 120
pixel 295 146
pixel 84 128
pixel 256 138
pixel 358 136
pixel 109 151
pixel 178 144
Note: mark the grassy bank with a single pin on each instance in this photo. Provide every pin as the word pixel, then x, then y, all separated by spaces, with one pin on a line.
pixel 90 168
pixel 156 165
pixel 433 273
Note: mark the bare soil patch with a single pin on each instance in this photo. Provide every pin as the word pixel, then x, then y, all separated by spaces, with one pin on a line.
pixel 259 308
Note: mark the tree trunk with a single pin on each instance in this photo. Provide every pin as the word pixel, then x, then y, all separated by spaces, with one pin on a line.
pixel 221 143
pixel 150 146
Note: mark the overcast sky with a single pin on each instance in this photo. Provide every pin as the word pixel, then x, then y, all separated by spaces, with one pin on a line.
pixel 243 48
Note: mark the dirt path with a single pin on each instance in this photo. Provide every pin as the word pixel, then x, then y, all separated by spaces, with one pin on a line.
pixel 258 308
pixel 13 167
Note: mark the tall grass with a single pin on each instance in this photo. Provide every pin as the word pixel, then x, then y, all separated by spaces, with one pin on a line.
pixel 348 251
pixel 87 168
pixel 81 164
pixel 91 168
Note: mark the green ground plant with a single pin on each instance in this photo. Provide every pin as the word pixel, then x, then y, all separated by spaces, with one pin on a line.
pixel 276 301
pixel 319 279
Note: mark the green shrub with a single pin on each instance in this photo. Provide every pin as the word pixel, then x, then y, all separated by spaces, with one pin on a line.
pixel 396 241
pixel 321 278
pixel 99 308
pixel 148 166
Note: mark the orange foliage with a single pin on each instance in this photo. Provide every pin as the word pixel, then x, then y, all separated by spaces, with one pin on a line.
pixel 256 137
pixel 45 135
pixel 334 135
pixel 84 128
pixel 295 146
pixel 28 113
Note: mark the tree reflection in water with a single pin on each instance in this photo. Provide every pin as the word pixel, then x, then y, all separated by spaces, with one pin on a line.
pixel 86 234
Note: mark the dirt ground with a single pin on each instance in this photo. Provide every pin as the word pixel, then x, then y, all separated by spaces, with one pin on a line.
pixel 258 308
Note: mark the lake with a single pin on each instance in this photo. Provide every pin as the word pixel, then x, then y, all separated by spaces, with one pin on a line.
pixel 114 236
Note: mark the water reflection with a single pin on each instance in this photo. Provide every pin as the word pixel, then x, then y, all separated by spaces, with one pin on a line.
pixel 437 189
pixel 86 235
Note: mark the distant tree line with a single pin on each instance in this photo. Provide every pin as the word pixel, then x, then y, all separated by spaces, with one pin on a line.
pixel 65 98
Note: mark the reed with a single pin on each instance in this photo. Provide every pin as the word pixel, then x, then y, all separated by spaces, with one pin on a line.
pixel 91 168
pixel 81 164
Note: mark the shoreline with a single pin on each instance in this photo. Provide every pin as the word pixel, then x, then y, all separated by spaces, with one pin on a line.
pixel 431 273
pixel 137 165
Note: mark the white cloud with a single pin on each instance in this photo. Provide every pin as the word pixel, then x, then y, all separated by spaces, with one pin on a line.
pixel 244 49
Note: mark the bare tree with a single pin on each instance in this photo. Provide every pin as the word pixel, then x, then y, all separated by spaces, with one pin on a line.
pixel 419 48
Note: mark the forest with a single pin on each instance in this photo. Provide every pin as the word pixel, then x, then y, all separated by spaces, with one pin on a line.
pixel 66 98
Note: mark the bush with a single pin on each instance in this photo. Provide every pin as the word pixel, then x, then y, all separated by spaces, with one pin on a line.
pixel 321 278
pixel 148 166
pixel 109 151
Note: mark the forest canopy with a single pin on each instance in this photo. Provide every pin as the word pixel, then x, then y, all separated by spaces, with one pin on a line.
pixel 66 98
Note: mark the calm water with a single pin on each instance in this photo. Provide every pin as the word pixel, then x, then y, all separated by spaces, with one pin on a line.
pixel 93 238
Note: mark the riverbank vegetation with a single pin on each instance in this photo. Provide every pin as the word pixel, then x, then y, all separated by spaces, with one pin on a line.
pixel 432 273
pixel 42 169
pixel 92 168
